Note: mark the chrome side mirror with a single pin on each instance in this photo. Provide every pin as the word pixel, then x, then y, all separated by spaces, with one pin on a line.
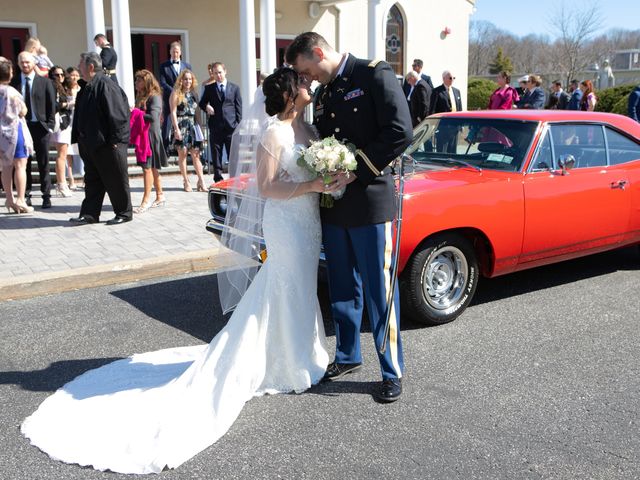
pixel 566 163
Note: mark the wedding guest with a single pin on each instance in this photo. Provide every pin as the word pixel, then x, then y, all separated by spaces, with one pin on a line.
pixel 42 63
pixel 223 104
pixel 184 134
pixel 15 141
pixel 101 127
pixel 533 97
pixel 589 99
pixel 108 56
pixel 576 95
pixel 559 99
pixel 634 104
pixel 74 161
pixel 61 136
pixel 419 96
pixel 169 72
pixel 149 100
pixel 40 98
pixel 504 97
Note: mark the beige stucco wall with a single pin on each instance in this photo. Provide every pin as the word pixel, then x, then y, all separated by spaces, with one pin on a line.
pixel 212 29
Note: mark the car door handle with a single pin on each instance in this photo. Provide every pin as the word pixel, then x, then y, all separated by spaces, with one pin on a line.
pixel 621 184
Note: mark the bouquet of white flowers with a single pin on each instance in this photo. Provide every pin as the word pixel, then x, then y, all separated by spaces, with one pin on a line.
pixel 327 156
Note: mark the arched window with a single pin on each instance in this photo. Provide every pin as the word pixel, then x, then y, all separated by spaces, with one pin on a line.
pixel 394 40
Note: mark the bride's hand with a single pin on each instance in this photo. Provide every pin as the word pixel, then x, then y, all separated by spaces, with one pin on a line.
pixel 319 186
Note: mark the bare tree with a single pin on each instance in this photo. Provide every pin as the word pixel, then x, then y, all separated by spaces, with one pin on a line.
pixel 574 29
pixel 482 47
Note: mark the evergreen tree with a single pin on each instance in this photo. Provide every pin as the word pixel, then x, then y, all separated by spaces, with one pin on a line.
pixel 501 63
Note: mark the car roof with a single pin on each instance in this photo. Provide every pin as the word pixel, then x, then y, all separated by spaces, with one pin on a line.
pixel 619 121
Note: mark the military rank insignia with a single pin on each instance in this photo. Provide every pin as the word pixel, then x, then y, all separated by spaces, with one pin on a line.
pixel 353 94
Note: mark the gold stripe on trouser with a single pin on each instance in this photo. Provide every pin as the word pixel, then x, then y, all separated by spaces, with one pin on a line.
pixel 392 345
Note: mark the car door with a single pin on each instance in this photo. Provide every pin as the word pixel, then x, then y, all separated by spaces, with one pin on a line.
pixel 585 208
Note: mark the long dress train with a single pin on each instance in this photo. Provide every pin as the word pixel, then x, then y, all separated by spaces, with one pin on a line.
pixel 158 409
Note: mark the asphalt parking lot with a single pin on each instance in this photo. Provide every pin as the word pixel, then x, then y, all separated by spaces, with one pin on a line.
pixel 539 378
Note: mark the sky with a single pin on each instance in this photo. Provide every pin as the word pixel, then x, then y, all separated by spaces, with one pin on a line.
pixel 523 18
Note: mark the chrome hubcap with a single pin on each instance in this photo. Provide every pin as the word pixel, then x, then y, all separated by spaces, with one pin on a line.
pixel 444 277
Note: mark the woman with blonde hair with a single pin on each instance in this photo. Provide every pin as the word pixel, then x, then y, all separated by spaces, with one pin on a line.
pixel 534 97
pixel 589 99
pixel 15 141
pixel 186 134
pixel 149 100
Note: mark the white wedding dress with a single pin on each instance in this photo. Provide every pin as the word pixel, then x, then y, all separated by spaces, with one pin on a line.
pixel 158 409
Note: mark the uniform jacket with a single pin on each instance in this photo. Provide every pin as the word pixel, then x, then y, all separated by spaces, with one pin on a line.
pixel 419 102
pixel 440 101
pixel 574 101
pixel 365 106
pixel 43 99
pixel 102 114
pixel 227 110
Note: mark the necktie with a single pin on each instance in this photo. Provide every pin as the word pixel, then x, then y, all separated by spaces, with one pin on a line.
pixel 27 97
pixel 222 90
pixel 452 100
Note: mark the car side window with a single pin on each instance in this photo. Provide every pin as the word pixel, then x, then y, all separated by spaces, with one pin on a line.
pixel 621 148
pixel 584 142
pixel 544 159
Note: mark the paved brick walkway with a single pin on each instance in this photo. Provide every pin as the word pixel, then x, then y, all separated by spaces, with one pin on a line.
pixel 46 245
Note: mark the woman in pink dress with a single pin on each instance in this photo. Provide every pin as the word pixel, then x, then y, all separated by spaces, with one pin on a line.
pixel 505 95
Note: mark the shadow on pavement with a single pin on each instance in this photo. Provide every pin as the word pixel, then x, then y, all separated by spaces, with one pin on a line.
pixel 541 278
pixel 54 376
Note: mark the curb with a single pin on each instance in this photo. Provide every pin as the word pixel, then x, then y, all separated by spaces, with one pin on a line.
pixel 48 283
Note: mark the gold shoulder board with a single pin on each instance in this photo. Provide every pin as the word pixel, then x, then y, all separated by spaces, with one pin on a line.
pixel 373 63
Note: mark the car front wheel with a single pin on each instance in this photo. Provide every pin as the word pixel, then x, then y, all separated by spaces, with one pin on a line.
pixel 440 279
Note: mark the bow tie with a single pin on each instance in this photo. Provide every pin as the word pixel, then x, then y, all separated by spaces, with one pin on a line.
pixel 175 62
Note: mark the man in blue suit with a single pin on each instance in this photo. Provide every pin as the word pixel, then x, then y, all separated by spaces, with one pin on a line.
pixel 576 96
pixel 169 72
pixel 360 101
pixel 223 104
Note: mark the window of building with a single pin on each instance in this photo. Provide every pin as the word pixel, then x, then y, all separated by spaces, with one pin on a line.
pixel 394 40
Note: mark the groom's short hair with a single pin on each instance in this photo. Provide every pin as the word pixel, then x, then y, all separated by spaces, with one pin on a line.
pixel 304 44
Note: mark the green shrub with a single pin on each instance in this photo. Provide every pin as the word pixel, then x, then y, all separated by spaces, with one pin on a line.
pixel 478 93
pixel 614 99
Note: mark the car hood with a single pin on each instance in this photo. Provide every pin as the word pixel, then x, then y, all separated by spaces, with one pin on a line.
pixel 437 177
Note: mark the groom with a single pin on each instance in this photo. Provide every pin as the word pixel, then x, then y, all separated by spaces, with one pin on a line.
pixel 360 102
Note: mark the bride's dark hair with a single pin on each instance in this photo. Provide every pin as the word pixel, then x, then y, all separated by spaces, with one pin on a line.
pixel 283 80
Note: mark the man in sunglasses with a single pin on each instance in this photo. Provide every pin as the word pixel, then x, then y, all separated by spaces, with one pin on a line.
pixel 446 98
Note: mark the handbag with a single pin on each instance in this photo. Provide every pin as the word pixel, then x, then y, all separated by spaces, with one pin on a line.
pixel 62 121
pixel 198 133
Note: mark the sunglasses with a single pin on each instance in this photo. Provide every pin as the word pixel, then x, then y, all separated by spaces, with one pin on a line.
pixel 58 74
pixel 451 78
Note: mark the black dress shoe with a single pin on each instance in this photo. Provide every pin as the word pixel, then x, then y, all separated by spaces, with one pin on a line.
pixel 46 202
pixel 118 220
pixel 83 220
pixel 390 390
pixel 338 370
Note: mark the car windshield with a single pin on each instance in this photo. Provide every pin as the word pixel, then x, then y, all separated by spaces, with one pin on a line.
pixel 479 143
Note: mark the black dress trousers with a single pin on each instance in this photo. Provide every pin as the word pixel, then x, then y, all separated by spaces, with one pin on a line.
pixel 40 137
pixel 105 171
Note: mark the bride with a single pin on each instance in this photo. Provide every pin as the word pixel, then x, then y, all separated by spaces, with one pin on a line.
pixel 156 410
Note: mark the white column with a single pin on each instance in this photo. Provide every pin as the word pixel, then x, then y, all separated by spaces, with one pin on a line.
pixel 247 53
pixel 268 60
pixel 122 46
pixel 376 38
pixel 94 11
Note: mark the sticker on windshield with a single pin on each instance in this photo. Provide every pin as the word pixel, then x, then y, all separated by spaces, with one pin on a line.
pixel 497 157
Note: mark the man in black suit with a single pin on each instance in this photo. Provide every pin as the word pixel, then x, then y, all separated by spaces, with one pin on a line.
pixel 101 129
pixel 169 72
pixel 40 97
pixel 223 104
pixel 360 101
pixel 559 99
pixel 419 97
pixel 446 98
pixel 417 67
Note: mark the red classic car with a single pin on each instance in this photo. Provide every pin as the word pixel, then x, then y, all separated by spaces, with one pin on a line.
pixel 492 192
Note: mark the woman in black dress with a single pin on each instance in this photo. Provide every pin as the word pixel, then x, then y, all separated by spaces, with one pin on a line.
pixel 149 99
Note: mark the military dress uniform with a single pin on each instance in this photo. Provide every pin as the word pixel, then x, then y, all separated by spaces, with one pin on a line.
pixel 364 105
